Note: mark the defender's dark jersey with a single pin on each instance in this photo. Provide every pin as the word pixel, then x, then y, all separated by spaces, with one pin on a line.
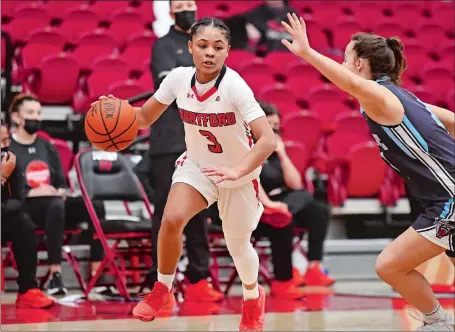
pixel 420 149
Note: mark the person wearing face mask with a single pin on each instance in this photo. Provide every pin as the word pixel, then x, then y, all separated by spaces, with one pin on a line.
pixel 18 229
pixel 168 137
pixel 46 188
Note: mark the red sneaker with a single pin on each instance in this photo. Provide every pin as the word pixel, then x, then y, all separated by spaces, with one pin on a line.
pixel 34 298
pixel 202 291
pixel 253 313
pixel 314 276
pixel 297 277
pixel 156 301
pixel 286 290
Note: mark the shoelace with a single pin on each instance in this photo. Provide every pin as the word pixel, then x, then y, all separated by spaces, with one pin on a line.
pixel 149 295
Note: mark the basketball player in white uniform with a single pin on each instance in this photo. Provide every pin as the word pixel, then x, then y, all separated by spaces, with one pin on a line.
pixel 220 164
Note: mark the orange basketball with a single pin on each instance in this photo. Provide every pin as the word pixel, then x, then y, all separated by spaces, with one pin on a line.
pixel 111 124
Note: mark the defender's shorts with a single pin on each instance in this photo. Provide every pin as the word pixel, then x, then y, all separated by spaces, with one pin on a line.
pixel 437 224
pixel 240 208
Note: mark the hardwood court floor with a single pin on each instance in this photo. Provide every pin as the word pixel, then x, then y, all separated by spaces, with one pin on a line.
pixel 376 310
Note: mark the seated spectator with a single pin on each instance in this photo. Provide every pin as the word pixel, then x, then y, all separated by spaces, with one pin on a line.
pixel 266 20
pixel 18 229
pixel 46 188
pixel 283 189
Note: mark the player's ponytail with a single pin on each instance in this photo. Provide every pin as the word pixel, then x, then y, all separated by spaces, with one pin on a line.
pixel 396 46
pixel 385 55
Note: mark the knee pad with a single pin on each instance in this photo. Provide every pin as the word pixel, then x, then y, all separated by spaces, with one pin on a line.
pixel 238 245
pixel 450 253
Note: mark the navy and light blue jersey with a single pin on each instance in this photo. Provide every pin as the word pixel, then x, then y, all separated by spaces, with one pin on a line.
pixel 420 149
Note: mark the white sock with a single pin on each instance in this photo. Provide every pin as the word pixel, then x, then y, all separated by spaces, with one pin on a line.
pixel 166 279
pixel 437 313
pixel 251 294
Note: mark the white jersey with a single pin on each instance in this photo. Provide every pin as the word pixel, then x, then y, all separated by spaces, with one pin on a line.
pixel 216 117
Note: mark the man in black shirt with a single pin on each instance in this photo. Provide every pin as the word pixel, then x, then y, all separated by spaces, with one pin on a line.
pixel 18 229
pixel 167 143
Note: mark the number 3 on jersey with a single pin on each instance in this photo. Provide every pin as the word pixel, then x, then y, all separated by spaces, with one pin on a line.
pixel 215 147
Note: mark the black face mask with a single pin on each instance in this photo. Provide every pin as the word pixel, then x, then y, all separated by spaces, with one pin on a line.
pixel 4 151
pixel 32 126
pixel 185 19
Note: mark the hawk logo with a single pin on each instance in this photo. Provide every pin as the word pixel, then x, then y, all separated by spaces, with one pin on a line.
pixel 190 95
pixel 444 227
pixel 217 98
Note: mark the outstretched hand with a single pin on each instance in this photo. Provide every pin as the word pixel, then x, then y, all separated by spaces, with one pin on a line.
pixel 299 45
pixel 224 173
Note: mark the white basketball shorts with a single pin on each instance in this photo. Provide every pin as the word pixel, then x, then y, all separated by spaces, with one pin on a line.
pixel 240 208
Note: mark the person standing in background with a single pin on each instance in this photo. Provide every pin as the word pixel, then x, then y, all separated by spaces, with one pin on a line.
pixel 167 140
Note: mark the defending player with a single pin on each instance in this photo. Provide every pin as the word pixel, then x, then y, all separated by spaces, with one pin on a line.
pixel 414 139
pixel 221 164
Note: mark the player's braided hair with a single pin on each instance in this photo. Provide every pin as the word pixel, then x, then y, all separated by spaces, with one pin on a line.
pixel 213 22
pixel 385 55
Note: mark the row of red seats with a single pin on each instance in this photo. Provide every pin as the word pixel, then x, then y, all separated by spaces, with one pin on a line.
pixel 43 42
pixel 349 157
pixel 122 20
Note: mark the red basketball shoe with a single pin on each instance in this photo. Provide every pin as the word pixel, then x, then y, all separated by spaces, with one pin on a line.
pixel 158 300
pixel 253 313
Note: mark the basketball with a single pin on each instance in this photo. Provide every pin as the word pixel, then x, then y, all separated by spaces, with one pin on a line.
pixel 111 124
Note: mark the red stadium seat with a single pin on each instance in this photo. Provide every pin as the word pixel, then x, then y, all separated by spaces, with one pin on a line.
pixel 237 57
pixel 32 54
pixel 417 56
pixel 280 96
pixel 125 22
pixel 146 81
pixel 450 99
pixel 66 155
pixel 47 35
pixel 58 8
pixel 9 7
pixel 422 93
pixel 443 13
pixel 389 29
pixel 343 31
pixel 146 11
pixel 125 90
pixel 352 122
pixel 317 38
pixel 303 128
pixel 56 80
pixel 367 13
pixel 105 8
pixel 431 35
pixel 92 45
pixel 3 53
pixel 105 71
pixel 438 77
pixel 26 18
pixel 301 75
pixel 78 21
pixel 257 74
pixel 279 60
pixel 446 51
pixel 327 102
pixel 326 12
pixel 138 49
pixel 408 12
pixel 356 168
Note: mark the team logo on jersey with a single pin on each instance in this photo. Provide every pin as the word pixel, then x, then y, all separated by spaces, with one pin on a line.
pixel 190 95
pixel 217 98
pixel 208 119
pixel 37 173
pixel 444 227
